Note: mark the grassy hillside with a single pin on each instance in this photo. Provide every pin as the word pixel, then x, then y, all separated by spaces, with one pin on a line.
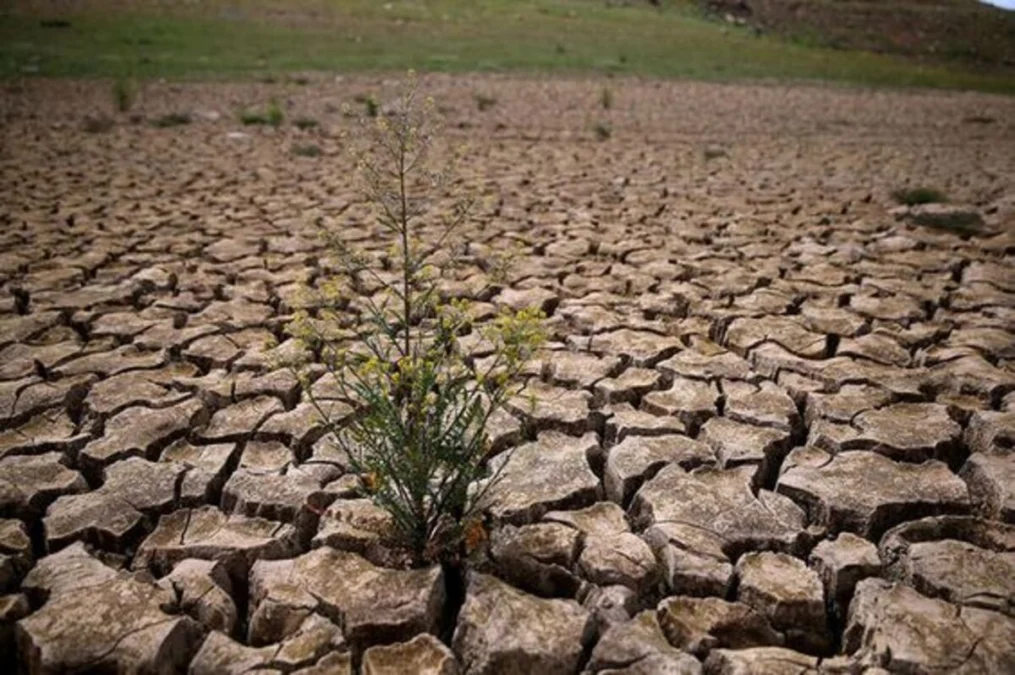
pixel 258 37
pixel 965 32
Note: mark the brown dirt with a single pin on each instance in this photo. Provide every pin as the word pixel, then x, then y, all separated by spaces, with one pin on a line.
pixel 754 219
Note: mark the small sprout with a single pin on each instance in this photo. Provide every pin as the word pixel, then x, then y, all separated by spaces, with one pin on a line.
pixel 370 105
pixel 175 119
pixel 484 101
pixel 275 114
pixel 124 93
pixel 603 131
pixel 919 195
pixel 305 123
pixel 606 98
pixel 252 117
pixel 309 150
pixel 272 115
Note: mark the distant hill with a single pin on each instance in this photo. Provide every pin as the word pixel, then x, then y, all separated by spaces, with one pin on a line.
pixel 957 44
pixel 965 31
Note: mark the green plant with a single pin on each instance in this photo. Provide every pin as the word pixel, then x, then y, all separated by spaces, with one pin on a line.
pixel 655 41
pixel 309 150
pixel 602 130
pixel 606 98
pixel 275 115
pixel 418 436
pixel 252 117
pixel 271 115
pixel 963 222
pixel 484 101
pixel 370 105
pixel 124 93
pixel 305 123
pixel 919 195
pixel 175 119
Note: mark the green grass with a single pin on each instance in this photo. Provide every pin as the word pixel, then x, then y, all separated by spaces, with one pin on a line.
pixel 370 105
pixel 962 222
pixel 213 40
pixel 271 115
pixel 919 195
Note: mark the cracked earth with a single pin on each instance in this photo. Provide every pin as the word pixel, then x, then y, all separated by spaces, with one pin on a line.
pixel 773 429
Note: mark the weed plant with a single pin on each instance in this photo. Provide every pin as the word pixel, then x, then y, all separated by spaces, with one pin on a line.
pixel 418 435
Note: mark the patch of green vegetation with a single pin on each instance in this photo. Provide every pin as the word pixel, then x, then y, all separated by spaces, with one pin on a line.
pixel 966 33
pixel 673 40
pixel 962 222
pixel 272 115
pixel 275 114
pixel 304 123
pixel 370 105
pixel 602 130
pixel 253 118
pixel 175 119
pixel 919 195
pixel 308 150
pixel 54 23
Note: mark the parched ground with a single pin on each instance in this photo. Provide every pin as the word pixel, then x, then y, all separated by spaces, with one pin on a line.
pixel 774 425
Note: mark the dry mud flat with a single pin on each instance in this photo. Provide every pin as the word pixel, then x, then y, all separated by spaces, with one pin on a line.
pixel 775 423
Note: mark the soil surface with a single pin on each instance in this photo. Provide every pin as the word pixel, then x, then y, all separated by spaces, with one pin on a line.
pixel 773 429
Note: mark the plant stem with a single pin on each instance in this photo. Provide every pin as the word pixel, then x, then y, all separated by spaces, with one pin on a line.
pixel 406 300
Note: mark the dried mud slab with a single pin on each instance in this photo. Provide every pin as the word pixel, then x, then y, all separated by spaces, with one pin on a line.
pixel 773 428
